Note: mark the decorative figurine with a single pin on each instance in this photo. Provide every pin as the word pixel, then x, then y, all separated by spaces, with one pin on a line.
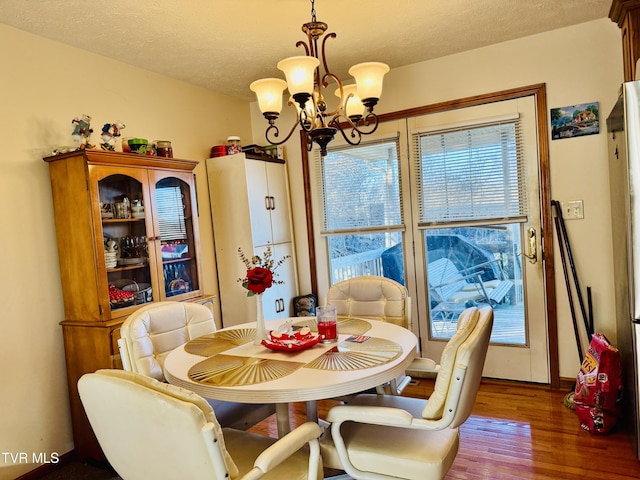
pixel 82 131
pixel 110 131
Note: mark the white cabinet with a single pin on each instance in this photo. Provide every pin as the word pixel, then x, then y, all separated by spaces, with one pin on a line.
pixel 268 201
pixel 250 208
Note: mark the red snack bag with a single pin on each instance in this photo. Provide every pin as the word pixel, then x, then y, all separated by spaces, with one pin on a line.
pixel 598 392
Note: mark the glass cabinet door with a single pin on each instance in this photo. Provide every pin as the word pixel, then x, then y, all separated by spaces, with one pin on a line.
pixel 175 226
pixel 124 236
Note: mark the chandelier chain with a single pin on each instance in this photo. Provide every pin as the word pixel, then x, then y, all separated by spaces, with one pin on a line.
pixel 313 10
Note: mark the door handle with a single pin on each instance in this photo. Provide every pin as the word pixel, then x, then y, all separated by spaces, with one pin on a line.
pixel 269 203
pixel 532 246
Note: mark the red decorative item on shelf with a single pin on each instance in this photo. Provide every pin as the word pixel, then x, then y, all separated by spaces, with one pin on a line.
pixel 218 151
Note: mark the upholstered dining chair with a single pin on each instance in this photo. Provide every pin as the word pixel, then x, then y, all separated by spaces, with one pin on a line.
pixel 393 437
pixel 152 430
pixel 149 334
pixel 377 298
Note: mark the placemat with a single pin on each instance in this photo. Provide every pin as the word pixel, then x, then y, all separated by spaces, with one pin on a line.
pixel 355 356
pixel 230 371
pixel 214 343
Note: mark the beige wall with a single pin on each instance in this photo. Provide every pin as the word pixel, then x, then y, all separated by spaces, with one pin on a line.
pixel 579 64
pixel 43 86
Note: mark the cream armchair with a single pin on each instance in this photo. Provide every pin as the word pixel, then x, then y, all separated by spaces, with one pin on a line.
pixel 392 437
pixel 152 430
pixel 378 298
pixel 149 334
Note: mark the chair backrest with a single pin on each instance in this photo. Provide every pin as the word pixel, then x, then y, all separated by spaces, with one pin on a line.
pixel 466 374
pixel 150 333
pixel 148 429
pixel 467 322
pixel 373 297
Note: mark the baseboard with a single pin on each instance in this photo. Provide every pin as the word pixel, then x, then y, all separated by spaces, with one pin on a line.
pixel 567 383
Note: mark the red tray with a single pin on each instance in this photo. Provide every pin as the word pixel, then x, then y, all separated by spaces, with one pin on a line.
pixel 291 342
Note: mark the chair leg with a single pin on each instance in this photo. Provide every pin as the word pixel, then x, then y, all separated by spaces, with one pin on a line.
pixel 406 380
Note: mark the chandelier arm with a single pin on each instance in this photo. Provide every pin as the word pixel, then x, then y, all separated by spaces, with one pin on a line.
pixel 355 134
pixel 339 83
pixel 324 56
pixel 370 120
pixel 341 123
pixel 301 43
pixel 273 132
pixel 304 121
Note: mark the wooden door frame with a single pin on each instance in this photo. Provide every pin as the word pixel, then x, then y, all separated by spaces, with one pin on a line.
pixel 539 91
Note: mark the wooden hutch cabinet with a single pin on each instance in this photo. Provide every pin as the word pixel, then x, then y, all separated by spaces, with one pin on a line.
pixel 626 13
pixel 127 232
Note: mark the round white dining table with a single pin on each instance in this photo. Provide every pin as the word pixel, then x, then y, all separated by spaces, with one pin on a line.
pixel 365 357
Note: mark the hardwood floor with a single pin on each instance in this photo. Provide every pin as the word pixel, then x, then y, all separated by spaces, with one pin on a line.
pixel 520 432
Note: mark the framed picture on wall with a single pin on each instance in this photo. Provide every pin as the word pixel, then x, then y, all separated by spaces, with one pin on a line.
pixel 575 121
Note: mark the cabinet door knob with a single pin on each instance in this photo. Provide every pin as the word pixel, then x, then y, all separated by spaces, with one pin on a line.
pixel 272 203
pixel 267 203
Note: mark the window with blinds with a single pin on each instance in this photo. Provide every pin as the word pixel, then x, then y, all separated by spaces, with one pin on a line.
pixel 471 175
pixel 360 188
pixel 170 208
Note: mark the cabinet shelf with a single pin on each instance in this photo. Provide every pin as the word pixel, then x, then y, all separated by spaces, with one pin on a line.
pixel 176 260
pixel 127 267
pixel 121 220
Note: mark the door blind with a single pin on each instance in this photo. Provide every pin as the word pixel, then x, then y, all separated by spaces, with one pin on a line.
pixel 470 174
pixel 170 209
pixel 360 188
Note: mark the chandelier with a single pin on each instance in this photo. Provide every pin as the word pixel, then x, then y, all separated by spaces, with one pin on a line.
pixel 353 113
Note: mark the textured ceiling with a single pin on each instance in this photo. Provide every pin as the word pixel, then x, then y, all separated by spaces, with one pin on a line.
pixel 226 44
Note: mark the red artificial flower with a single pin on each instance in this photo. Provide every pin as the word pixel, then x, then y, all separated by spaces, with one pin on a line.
pixel 261 271
pixel 259 279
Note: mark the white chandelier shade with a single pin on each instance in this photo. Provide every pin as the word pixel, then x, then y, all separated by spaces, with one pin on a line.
pixel 269 93
pixel 354 107
pixel 369 78
pixel 300 73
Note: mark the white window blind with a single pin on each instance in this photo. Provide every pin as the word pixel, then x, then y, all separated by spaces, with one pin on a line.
pixel 170 213
pixel 360 188
pixel 471 174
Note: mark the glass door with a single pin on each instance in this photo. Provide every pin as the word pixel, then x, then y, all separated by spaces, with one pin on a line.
pixel 478 216
pixel 122 200
pixel 175 226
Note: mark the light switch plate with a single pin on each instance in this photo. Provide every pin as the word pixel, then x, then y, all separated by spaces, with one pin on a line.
pixel 572 210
